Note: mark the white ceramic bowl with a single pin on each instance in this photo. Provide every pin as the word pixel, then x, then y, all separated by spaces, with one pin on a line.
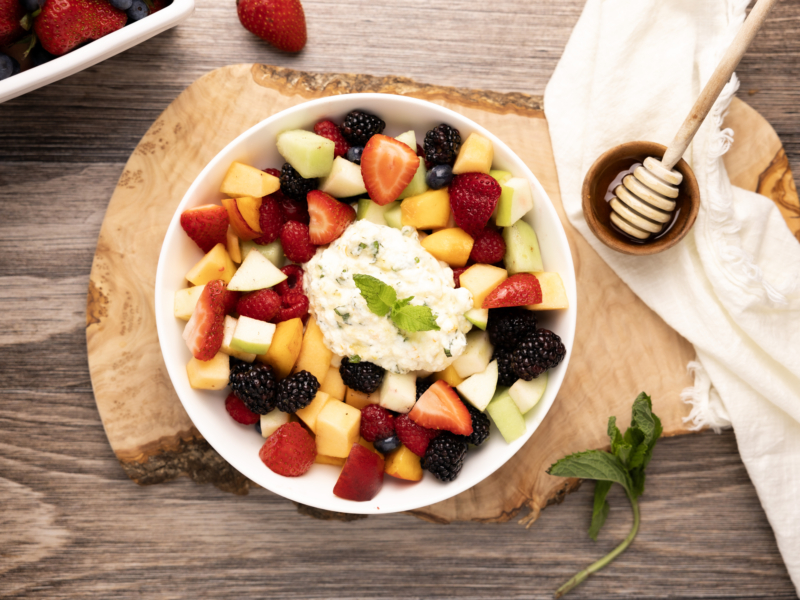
pixel 239 444
pixel 96 51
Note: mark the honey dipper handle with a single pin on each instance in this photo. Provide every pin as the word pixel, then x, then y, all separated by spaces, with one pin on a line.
pixel 718 80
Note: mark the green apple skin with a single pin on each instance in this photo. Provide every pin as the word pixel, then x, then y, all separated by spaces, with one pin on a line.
pixel 253 336
pixel 506 416
pixel 409 138
pixel 526 394
pixel 417 185
pixel 478 317
pixel 255 273
pixel 522 249
pixel 394 216
pixel 516 199
pixel 374 213
pixel 310 154
pixel 272 252
pixel 500 176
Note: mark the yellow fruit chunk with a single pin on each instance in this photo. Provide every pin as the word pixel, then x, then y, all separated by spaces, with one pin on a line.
pixel 285 347
pixel 209 374
pixel 368 445
pixel 244 180
pixel 554 296
pixel 217 264
pixel 360 399
pixel 185 301
pixel 481 279
pixel 314 355
pixel 403 464
pixel 450 245
pixel 333 384
pixel 249 208
pixel 430 210
pixel 338 428
pixel 449 376
pixel 329 460
pixel 310 413
pixel 234 249
pixel 476 155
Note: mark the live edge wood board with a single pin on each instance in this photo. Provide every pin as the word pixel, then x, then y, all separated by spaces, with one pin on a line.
pixel 153 437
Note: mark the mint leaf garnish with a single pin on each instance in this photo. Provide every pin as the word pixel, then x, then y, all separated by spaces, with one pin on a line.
pixel 414 318
pixel 379 296
pixel 625 464
pixel 382 300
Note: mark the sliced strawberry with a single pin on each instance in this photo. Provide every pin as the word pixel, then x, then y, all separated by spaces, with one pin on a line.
pixel 204 331
pixel 387 167
pixel 441 408
pixel 329 217
pixel 518 290
pixel 206 225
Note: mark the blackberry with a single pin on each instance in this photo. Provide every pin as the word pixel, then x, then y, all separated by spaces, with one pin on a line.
pixel 296 391
pixel 445 456
pixel 422 386
pixel 507 327
pixel 359 126
pixel 294 186
pixel 538 352
pixel 505 372
pixel 254 384
pixel 442 144
pixel 480 426
pixel 361 376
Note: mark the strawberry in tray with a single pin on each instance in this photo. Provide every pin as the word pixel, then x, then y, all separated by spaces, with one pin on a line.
pixel 65 24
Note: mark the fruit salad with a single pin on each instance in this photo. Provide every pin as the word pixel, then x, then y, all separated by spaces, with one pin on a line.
pixel 371 304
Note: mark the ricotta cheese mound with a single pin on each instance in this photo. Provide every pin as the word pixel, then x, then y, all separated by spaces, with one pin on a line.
pixel 396 258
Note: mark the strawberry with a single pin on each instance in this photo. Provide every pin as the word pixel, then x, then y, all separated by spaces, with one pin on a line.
pixel 329 217
pixel 65 24
pixel 296 243
pixel 294 280
pixel 473 198
pixel 290 451
pixel 203 332
pixel 518 290
pixel 414 437
pixel 207 225
pixel 270 220
pixel 441 408
pixel 457 271
pixel 387 167
pixel 331 131
pixel 280 23
pixel 159 4
pixel 11 12
pixel 262 305
pixel 377 423
pixel 489 247
pixel 240 413
pixel 294 305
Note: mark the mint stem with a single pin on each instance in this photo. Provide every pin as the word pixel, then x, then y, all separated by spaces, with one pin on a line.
pixel 579 577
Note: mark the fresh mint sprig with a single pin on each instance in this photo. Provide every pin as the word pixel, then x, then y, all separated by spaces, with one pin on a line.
pixel 382 300
pixel 625 465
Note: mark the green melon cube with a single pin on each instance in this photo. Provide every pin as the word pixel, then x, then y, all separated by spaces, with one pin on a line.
pixel 310 154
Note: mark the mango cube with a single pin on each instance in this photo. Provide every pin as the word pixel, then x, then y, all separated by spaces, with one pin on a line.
pixel 338 428
pixel 310 413
pixel 450 376
pixel 554 295
pixel 285 347
pixel 314 355
pixel 481 280
pixel 430 210
pixel 403 464
pixel 209 374
pixel 185 301
pixel 244 180
pixel 476 155
pixel 359 399
pixel 452 246
pixel 333 384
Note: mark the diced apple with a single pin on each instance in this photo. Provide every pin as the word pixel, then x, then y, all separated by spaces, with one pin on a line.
pixel 314 354
pixel 333 384
pixel 480 280
pixel 522 249
pixel 453 246
pixel 344 180
pixel 554 295
pixel 398 392
pixel 338 428
pixel 310 154
pixel 285 347
pixel 185 301
pixel 233 247
pixel 476 355
pixel 417 185
pixel 512 206
pixel 500 176
pixel 272 421
pixel 409 138
pixel 249 208
pixel 359 399
pixel 476 155
pixel 449 376
pixel 526 394
pixel 310 413
pixel 479 389
pixel 255 273
pixel 403 464
pixel 430 210
pixel 272 252
pixel 217 264
pixel 506 416
pixel 237 222
pixel 394 216
pixel 229 330
pixel 252 335
pixel 478 317
pixel 373 212
pixel 362 476
pixel 244 180
pixel 209 374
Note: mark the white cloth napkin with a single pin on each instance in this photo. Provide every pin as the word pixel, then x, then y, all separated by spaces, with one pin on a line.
pixel 631 71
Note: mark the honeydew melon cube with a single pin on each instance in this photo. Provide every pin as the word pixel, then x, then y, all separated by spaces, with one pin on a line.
pixel 217 264
pixel 554 295
pixel 522 249
pixel 476 355
pixel 255 273
pixel 338 428
pixel 243 180
pixel 394 216
pixel 526 394
pixel 417 185
pixel 310 154
pixel 372 212
pixel 209 374
pixel 344 180
pixel 500 176
pixel 476 155
pixel 479 389
pixel 478 317
pixel 185 301
pixel 512 206
pixel 272 421
pixel 398 392
pixel 409 138
pixel 506 416
pixel 272 252
pixel 252 335
pixel 229 329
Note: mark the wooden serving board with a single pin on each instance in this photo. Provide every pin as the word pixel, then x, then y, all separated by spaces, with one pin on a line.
pixel 152 435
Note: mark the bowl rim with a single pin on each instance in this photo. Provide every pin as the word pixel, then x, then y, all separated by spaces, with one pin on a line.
pixel 457 486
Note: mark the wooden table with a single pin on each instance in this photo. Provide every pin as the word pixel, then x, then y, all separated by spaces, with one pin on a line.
pixel 73 526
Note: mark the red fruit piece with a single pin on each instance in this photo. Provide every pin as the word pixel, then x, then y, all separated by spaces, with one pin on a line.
pixel 239 412
pixel 291 210
pixel 331 131
pixel 387 167
pixel 204 331
pixel 290 451
pixel 441 408
pixel 270 219
pixel 457 271
pixel 377 423
pixel 64 24
pixel 329 217
pixel 262 305
pixel 11 12
pixel 414 437
pixel 229 300
pixel 281 23
pixel 206 225
pixel 489 247
pixel 518 290
pixel 362 475
pixel 473 198
pixel 294 280
pixel 294 305
pixel 296 242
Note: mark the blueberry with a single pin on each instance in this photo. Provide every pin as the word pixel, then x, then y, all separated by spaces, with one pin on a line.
pixel 137 11
pixel 258 427
pixel 40 56
pixel 121 4
pixel 8 66
pixel 387 444
pixel 354 154
pixel 30 6
pixel 439 176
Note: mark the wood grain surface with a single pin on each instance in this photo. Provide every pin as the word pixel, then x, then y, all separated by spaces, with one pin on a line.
pixel 73 526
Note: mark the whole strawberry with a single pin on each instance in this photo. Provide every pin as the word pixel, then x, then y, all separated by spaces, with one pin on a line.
pixel 65 24
pixel 290 451
pixel 281 23
pixel 11 12
pixel 473 198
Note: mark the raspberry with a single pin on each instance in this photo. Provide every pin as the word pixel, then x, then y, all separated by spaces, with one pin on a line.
pixel 359 126
pixel 445 456
pixel 294 305
pixel 442 144
pixel 293 185
pixel 413 436
pixel 489 247
pixel 507 327
pixel 457 275
pixel 296 242
pixel 297 391
pixel 361 376
pixel 473 198
pixel 229 300
pixel 240 413
pixel 329 130
pixel 262 305
pixel 540 351
pixel 254 384
pixel 377 423
pixel 290 451
pixel 292 210
pixel 293 281
pixel 270 220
